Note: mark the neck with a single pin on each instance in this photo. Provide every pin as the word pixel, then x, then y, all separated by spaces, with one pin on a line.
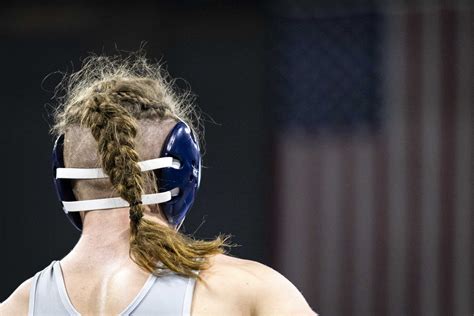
pixel 105 238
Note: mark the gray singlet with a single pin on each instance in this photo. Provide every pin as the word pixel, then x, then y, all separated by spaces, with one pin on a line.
pixel 170 294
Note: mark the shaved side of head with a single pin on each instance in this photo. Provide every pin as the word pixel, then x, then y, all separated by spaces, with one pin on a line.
pixel 80 151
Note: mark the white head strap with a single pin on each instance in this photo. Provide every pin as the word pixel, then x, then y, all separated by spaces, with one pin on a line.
pixel 117 202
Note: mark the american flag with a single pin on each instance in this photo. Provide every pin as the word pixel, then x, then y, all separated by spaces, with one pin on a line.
pixel 374 172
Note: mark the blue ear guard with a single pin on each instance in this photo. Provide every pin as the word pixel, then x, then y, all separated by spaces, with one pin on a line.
pixel 64 186
pixel 181 145
pixel 177 184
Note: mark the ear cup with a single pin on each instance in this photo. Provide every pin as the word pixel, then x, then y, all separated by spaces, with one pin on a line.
pixel 64 186
pixel 181 145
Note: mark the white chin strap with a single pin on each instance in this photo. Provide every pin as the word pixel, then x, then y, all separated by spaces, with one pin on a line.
pixel 98 173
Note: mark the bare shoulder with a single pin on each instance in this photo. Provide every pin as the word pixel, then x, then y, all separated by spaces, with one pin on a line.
pixel 262 289
pixel 17 303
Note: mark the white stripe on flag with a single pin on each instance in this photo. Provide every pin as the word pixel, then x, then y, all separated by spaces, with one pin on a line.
pixel 364 223
pixel 395 96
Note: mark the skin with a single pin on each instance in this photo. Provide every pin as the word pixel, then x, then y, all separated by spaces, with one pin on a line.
pixel 101 279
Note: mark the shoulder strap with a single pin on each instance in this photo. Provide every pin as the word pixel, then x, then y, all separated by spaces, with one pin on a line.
pixel 188 297
pixel 61 288
pixel 31 300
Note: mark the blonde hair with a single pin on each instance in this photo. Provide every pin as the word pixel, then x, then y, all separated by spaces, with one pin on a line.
pixel 109 96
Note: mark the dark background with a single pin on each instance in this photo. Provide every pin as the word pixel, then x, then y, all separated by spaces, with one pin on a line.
pixel 216 48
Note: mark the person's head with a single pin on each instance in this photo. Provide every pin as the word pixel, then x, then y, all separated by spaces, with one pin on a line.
pixel 115 112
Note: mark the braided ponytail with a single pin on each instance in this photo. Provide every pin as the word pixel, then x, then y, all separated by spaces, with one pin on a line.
pixel 111 105
pixel 115 129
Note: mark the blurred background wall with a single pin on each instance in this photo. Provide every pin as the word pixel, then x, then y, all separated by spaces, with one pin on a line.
pixel 339 138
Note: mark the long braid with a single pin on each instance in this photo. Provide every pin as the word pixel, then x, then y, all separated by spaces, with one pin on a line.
pixel 151 244
pixel 115 129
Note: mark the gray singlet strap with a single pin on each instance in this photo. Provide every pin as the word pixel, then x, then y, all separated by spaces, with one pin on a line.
pixel 169 294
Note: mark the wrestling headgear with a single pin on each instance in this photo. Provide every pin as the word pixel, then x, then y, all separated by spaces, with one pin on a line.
pixel 177 171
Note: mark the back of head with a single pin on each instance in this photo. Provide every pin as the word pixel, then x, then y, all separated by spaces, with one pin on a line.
pixel 112 101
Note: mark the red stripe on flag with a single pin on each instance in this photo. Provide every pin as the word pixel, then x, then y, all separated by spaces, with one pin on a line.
pixel 447 168
pixel 348 219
